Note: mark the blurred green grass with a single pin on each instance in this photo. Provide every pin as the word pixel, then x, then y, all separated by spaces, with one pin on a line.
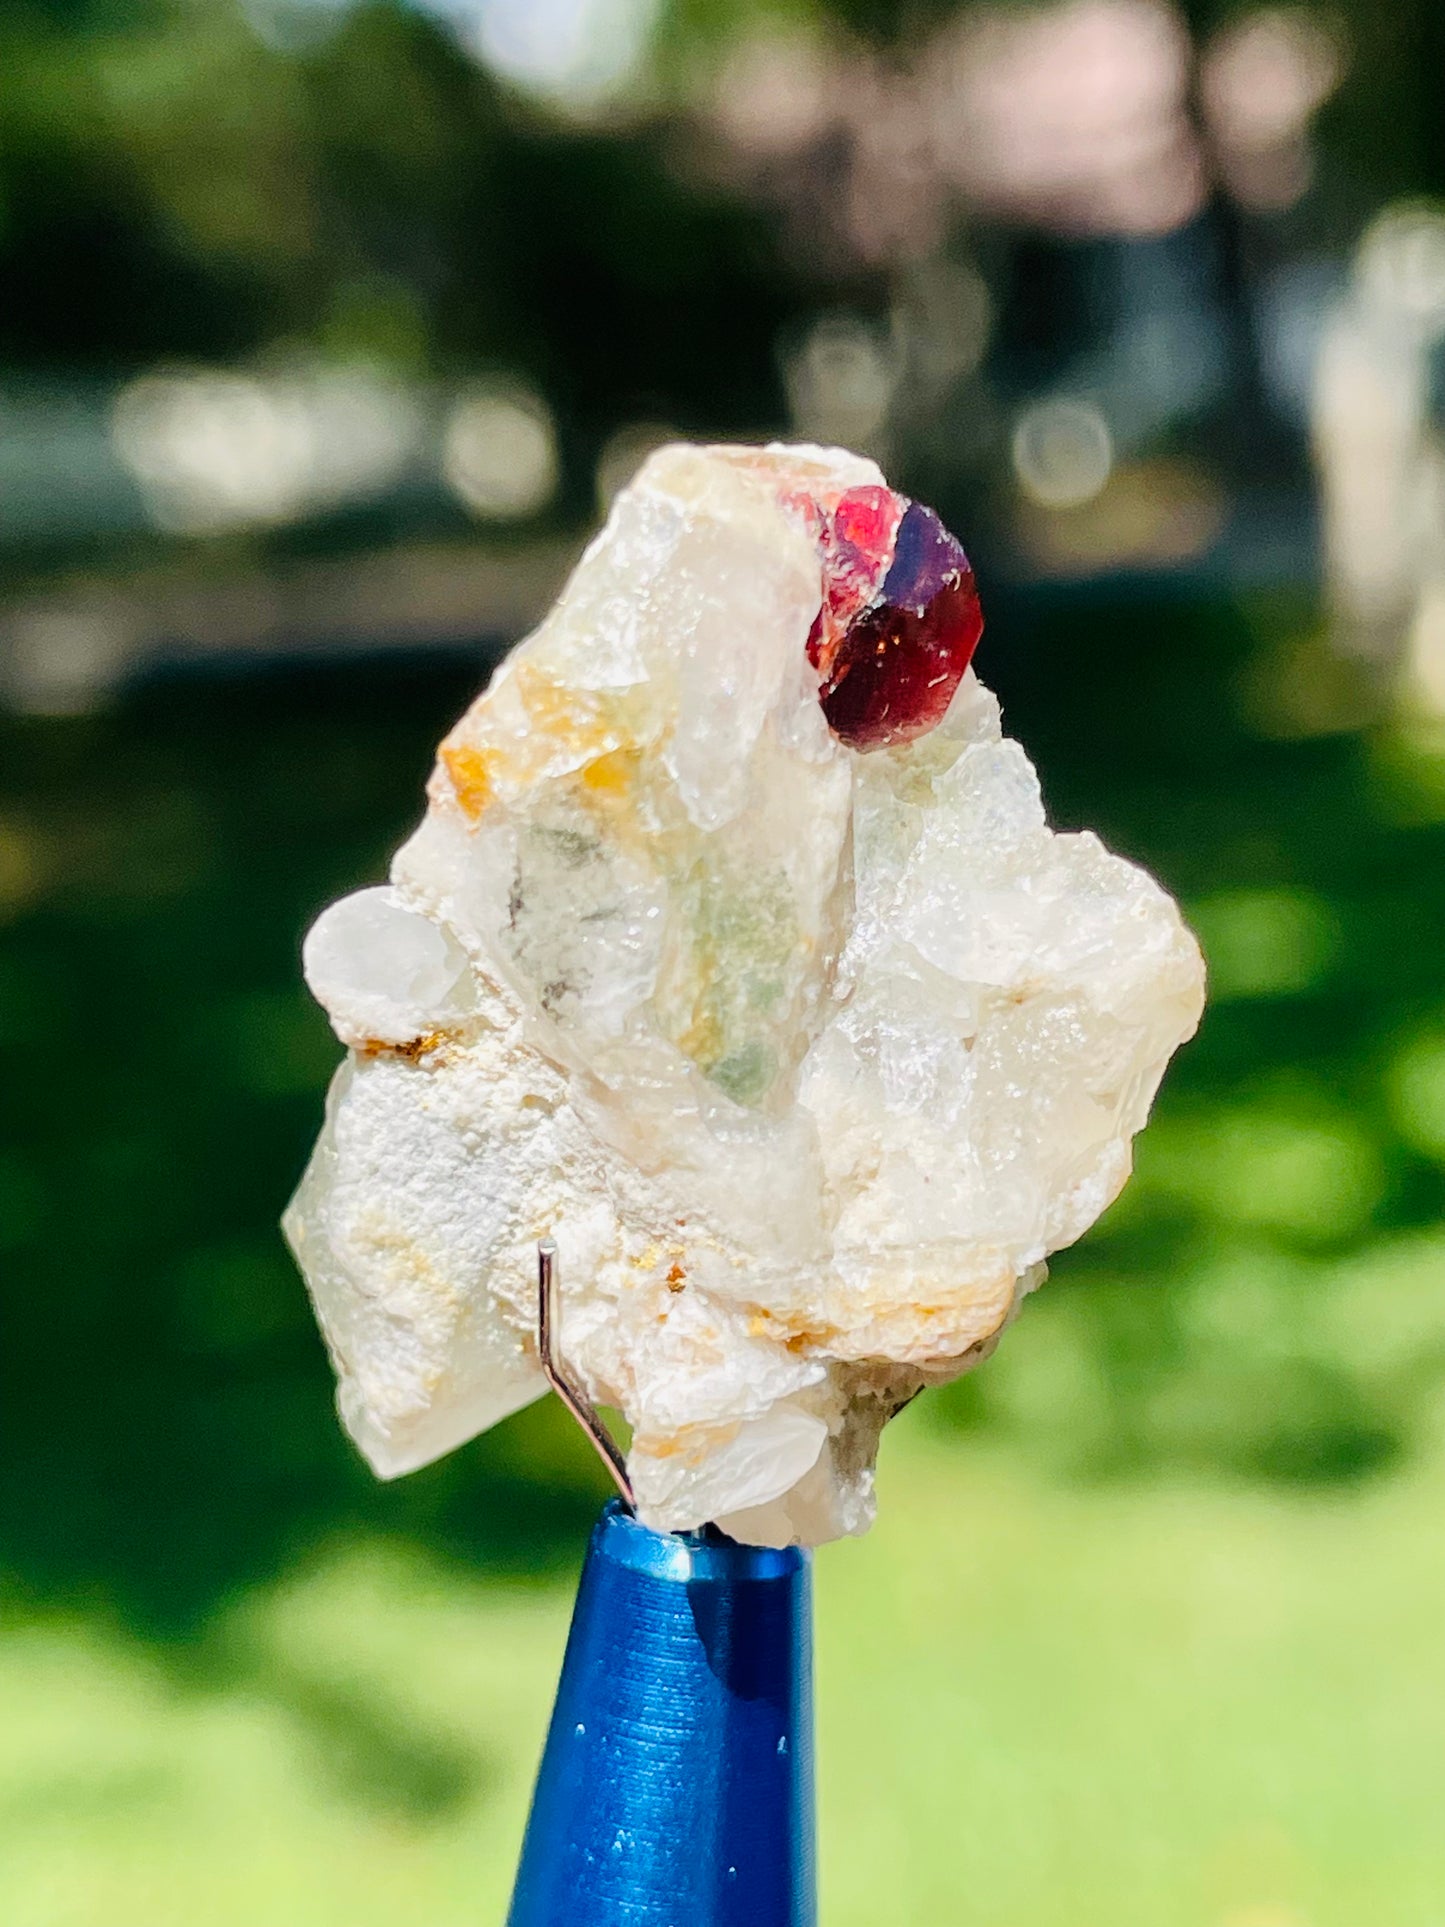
pixel 1146 1630
pixel 1038 1706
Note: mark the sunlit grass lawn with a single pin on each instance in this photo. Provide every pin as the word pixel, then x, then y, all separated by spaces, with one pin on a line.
pixel 1039 1704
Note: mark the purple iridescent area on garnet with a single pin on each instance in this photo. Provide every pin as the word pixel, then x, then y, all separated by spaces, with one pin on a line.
pixel 899 662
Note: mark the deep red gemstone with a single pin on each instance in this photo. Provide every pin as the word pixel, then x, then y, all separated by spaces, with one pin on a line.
pixel 898 663
pixel 865 523
pixel 857 539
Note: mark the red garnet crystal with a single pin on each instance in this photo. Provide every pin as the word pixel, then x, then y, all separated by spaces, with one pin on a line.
pixel 890 672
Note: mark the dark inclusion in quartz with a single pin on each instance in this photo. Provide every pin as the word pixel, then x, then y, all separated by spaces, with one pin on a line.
pixel 893 672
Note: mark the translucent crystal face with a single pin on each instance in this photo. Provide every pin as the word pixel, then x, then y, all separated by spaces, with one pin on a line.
pixel 735 954
pixel 899 621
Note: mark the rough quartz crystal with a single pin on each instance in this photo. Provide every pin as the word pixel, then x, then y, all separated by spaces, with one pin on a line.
pixel 778 1006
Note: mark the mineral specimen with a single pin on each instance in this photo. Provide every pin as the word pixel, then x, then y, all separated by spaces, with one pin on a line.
pixel 734 953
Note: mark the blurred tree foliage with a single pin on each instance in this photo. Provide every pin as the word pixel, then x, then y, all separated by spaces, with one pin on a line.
pixel 179 181
pixel 173 187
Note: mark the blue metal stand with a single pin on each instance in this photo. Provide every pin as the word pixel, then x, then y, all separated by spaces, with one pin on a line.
pixel 676 1788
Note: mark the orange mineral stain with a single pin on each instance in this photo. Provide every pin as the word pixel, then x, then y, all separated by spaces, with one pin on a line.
pixel 610 775
pixel 470 778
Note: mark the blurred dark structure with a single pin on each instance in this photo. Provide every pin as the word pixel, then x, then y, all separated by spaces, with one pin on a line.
pixel 292 281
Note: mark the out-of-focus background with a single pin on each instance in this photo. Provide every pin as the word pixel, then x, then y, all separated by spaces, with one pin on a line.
pixel 328 329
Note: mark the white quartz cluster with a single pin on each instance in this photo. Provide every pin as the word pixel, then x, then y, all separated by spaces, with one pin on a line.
pixel 806 1058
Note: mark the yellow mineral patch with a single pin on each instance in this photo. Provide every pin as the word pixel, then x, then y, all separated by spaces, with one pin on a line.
pixel 611 775
pixel 469 771
pixel 961 1318
pixel 689 1442
pixel 413 1049
pixel 563 713
pixel 496 753
pixel 788 1332
pixel 702 1041
pixel 406 1262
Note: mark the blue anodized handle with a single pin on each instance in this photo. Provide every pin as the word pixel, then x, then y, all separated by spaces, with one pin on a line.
pixel 676 1786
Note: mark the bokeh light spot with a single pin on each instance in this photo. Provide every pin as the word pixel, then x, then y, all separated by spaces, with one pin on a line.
pixel 1415 1092
pixel 213 450
pixel 574 52
pixel 499 454
pixel 1407 765
pixel 1063 452
pixel 624 452
pixel 1401 262
pixel 1265 942
pixel 1304 1171
pixel 840 382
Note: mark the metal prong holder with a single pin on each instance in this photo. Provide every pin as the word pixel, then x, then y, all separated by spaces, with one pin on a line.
pixel 676 1786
